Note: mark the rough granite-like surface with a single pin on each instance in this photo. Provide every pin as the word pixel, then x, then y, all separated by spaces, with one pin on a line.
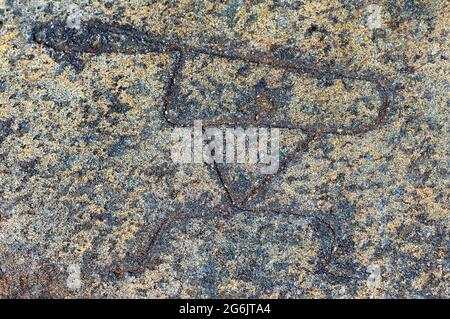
pixel 91 204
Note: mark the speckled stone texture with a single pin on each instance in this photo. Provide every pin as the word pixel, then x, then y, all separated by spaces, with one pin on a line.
pixel 92 206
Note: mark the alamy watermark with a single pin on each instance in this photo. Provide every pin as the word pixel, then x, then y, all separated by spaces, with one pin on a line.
pixel 374 19
pixel 230 145
pixel 73 280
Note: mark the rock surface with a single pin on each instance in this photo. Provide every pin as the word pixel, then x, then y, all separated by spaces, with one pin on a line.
pixel 91 204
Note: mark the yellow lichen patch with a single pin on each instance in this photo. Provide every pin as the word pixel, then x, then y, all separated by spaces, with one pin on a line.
pixel 233 287
pixel 123 234
pixel 82 242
